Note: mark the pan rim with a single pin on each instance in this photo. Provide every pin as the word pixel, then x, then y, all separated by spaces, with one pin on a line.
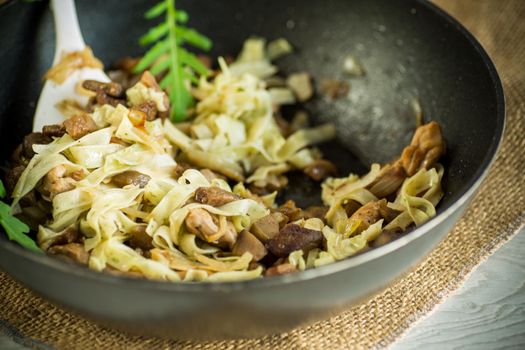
pixel 266 282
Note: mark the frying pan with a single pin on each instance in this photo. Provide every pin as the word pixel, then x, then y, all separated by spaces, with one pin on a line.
pixel 410 50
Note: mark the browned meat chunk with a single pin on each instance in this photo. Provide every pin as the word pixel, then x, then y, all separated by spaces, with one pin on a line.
pixel 214 196
pixel 386 237
pixel 56 181
pixel 206 226
pixel 390 178
pixel 55 130
pixel 101 98
pixel 294 237
pixel 291 211
pixel 12 177
pixel 180 168
pixel 228 239
pixel 127 63
pixel 281 269
pixel 268 226
pixel 34 138
pixel 149 108
pixel 111 88
pixel 71 252
pixel 351 207
pixel 320 170
pixel 131 177
pixel 70 235
pixel 371 213
pixel 249 243
pixel 201 223
pixel 315 212
pixel 426 148
pixel 333 89
pixel 138 238
pixel 149 80
pixel 80 125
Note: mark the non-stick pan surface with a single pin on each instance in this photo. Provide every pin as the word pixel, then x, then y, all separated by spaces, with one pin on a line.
pixel 410 50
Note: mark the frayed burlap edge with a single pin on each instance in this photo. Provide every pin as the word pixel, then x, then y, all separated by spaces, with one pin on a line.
pixel 492 219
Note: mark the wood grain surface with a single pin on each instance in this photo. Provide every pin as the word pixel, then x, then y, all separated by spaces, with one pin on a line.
pixel 487 312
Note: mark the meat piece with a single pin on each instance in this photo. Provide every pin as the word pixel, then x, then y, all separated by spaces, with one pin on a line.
pixel 180 168
pixel 17 157
pixel 80 125
pixel 386 237
pixel 334 89
pixel 101 98
pixel 351 206
pixel 281 269
pixel 12 176
pixel 214 196
pixel 55 130
pixel 131 177
pixel 390 178
pixel 301 85
pixel 201 223
pixel 320 169
pixel 70 235
pixel 34 138
pixel 56 182
pixel 138 238
pixel 111 88
pixel 371 213
pixel 127 63
pixel 206 226
pixel 426 148
pixel 71 252
pixel 293 237
pixel 229 237
pixel 318 212
pixel 33 216
pixel 149 108
pixel 149 81
pixel 247 242
pixel 268 226
pixel 291 211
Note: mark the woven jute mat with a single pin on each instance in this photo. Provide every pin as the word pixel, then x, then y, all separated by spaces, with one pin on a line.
pixel 494 216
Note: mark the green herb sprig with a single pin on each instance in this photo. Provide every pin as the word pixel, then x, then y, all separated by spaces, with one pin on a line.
pixel 16 230
pixel 167 55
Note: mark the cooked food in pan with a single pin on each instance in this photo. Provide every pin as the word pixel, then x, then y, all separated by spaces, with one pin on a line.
pixel 123 187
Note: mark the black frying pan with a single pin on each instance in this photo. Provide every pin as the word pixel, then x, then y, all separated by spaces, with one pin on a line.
pixel 410 49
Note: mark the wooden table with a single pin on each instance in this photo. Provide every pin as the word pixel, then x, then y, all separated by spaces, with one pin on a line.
pixel 487 312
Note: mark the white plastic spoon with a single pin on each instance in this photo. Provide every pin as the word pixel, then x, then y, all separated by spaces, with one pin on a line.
pixel 68 39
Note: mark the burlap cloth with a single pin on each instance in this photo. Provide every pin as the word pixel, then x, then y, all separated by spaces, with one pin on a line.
pixel 495 215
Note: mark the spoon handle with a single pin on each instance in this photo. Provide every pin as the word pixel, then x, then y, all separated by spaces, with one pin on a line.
pixel 68 35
